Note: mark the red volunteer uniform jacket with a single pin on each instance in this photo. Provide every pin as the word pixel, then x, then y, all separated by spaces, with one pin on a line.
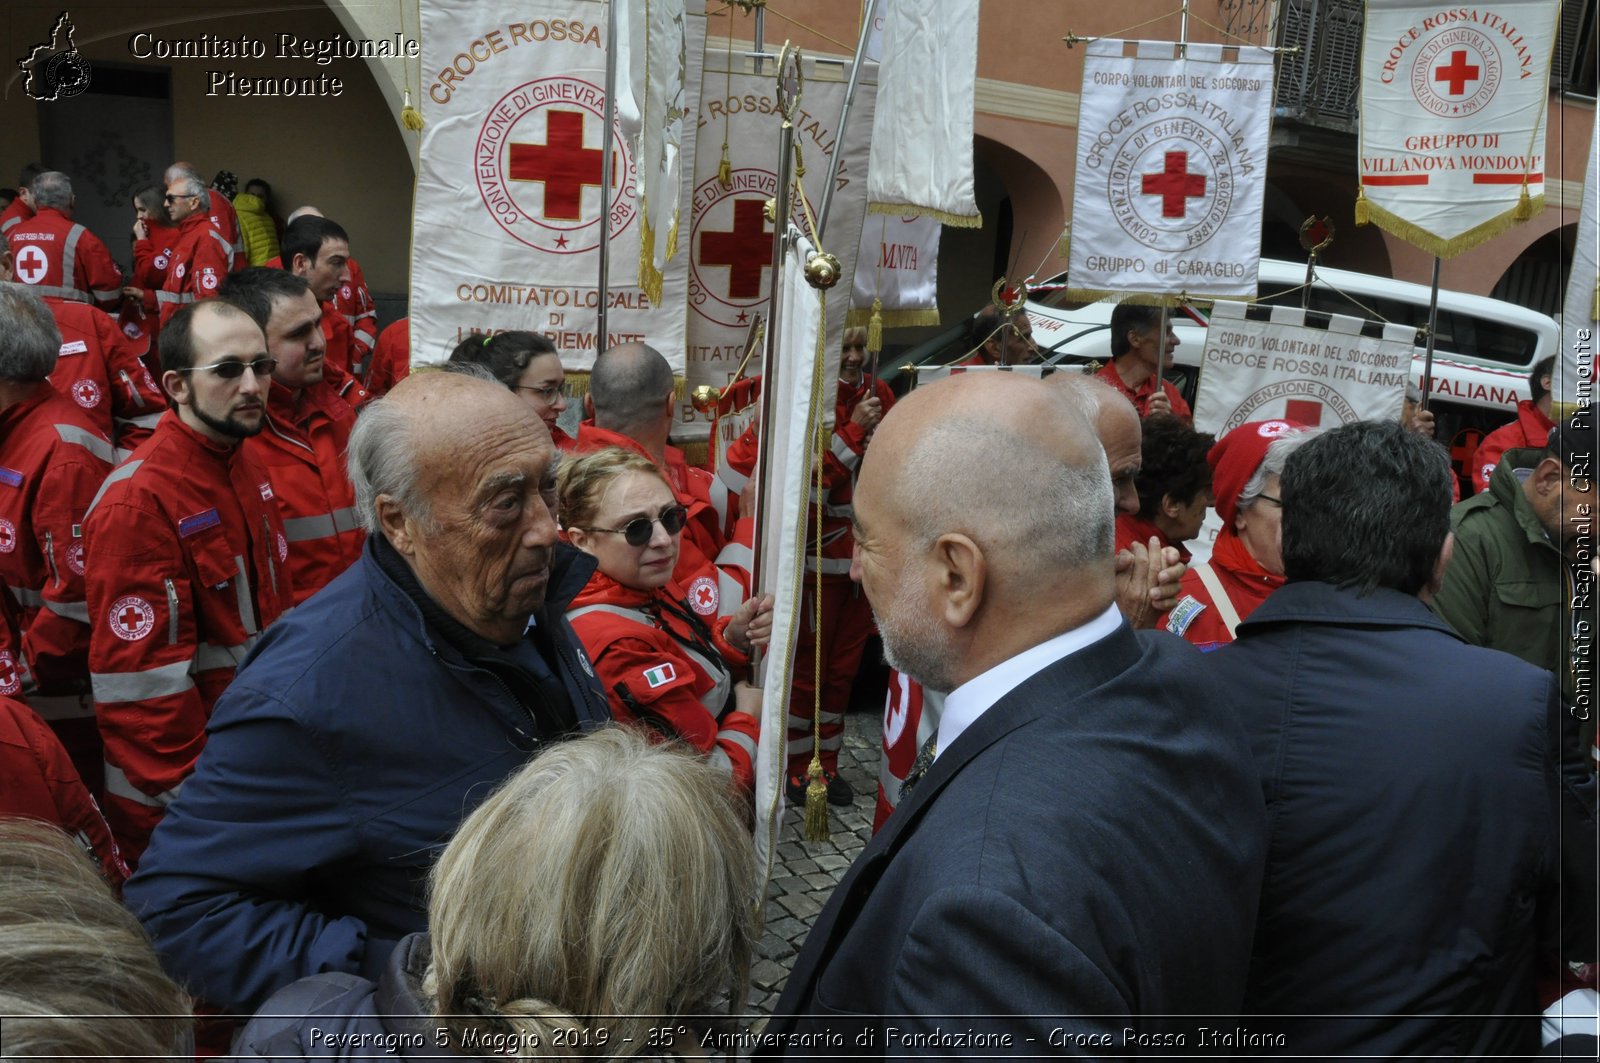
pixel 141 322
pixel 391 360
pixel 225 220
pixel 303 449
pixel 354 303
pixel 1530 429
pixel 664 668
pixel 16 211
pixel 1146 391
pixel 99 369
pixel 198 265
pixel 57 256
pixel 186 552
pixel 1239 576
pixel 703 538
pixel 41 783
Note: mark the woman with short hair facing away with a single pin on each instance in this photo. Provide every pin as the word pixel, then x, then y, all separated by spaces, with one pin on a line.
pixel 529 365
pixel 605 894
pixel 663 667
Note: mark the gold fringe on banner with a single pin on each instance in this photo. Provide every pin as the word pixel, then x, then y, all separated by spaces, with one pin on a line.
pixel 1417 236
pixel 577 383
pixel 875 327
pixel 696 451
pixel 1524 208
pixel 1098 295
pixel 893 318
pixel 1363 208
pixel 955 221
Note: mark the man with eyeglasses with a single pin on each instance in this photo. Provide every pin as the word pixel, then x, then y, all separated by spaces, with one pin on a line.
pixel 202 256
pixel 185 564
pixel 307 429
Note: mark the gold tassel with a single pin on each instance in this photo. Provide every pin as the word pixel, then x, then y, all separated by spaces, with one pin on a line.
pixel 1363 215
pixel 1594 309
pixel 1064 243
pixel 875 327
pixel 410 117
pixel 1524 208
pixel 725 168
pixel 816 803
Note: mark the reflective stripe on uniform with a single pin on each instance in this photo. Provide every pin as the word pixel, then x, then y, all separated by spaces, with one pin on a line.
pixel 78 611
pixel 69 255
pixel 62 706
pixel 241 591
pixel 121 472
pixel 208 655
pixel 718 759
pixel 731 478
pixel 737 555
pixel 716 671
pixel 117 783
pixel 143 420
pixel 27 597
pixel 164 296
pixel 719 499
pixel 56 291
pixel 88 440
pixel 803 723
pixel 166 680
pixel 320 526
pixel 799 746
pixel 844 452
pixel 227 248
pixel 740 739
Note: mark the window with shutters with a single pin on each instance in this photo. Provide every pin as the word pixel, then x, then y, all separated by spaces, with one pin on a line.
pixel 1572 67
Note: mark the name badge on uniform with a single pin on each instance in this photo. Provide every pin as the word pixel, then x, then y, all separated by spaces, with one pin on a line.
pixel 75 347
pixel 198 522
pixel 11 477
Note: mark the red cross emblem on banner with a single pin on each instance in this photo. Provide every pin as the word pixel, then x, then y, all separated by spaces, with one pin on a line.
pixel 562 162
pixel 32 265
pixel 746 249
pixel 131 618
pixel 1457 72
pixel 1174 184
pixel 1307 411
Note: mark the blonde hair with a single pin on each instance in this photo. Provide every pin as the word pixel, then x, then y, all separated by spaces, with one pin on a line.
pixel 854 336
pixel 78 977
pixel 607 889
pixel 580 482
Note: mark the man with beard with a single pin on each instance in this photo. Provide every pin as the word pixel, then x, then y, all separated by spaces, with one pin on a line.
pixel 307 429
pixel 376 716
pixel 1079 769
pixel 184 552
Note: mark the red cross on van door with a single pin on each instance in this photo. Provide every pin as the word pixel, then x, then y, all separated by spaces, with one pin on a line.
pixel 1174 184
pixel 1457 72
pixel 746 249
pixel 562 162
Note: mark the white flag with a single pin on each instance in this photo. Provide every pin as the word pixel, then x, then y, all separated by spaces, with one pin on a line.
pixel 1256 370
pixel 730 241
pixel 1574 375
pixel 798 373
pixel 652 102
pixel 1172 166
pixel 1453 103
pixel 507 228
pixel 897 265
pixel 922 138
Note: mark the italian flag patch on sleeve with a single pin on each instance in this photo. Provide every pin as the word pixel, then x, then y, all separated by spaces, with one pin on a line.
pixel 660 675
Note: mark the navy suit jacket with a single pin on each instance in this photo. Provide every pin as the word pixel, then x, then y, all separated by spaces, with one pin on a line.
pixel 1083 860
pixel 1416 797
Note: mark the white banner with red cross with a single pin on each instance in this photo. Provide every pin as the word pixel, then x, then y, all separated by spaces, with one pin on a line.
pixel 1284 367
pixel 1172 165
pixel 507 215
pixel 1575 375
pixel 1453 104
pixel 730 240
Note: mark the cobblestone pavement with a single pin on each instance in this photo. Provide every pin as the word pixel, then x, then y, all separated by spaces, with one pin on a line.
pixel 804 874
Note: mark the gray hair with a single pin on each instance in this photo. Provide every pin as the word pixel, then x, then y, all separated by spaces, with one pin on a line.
pixel 639 910
pixel 30 342
pixel 193 185
pixel 475 370
pixel 628 385
pixel 52 189
pixel 382 460
pixel 1272 464
pixel 952 483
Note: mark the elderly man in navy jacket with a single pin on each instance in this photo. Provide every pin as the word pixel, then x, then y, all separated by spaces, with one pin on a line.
pixel 370 721
pixel 1417 881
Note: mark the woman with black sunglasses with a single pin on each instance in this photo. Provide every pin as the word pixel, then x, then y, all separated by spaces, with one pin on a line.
pixel 663 667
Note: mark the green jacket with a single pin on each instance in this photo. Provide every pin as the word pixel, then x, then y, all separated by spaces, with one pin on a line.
pixel 256 228
pixel 1506 583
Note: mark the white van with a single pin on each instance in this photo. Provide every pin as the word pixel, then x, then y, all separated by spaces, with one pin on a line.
pixel 1484 351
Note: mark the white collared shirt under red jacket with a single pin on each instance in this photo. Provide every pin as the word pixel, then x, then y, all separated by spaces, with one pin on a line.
pixel 186 552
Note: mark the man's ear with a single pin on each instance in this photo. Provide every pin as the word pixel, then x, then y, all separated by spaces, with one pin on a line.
pixel 1437 579
pixel 588 406
pixel 961 571
pixel 1170 507
pixel 176 386
pixel 1548 476
pixel 396 526
pixel 300 265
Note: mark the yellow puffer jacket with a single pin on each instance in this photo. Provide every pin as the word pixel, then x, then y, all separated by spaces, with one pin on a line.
pixel 255 225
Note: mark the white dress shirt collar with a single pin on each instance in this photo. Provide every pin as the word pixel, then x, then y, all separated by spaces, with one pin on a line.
pixel 973 698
